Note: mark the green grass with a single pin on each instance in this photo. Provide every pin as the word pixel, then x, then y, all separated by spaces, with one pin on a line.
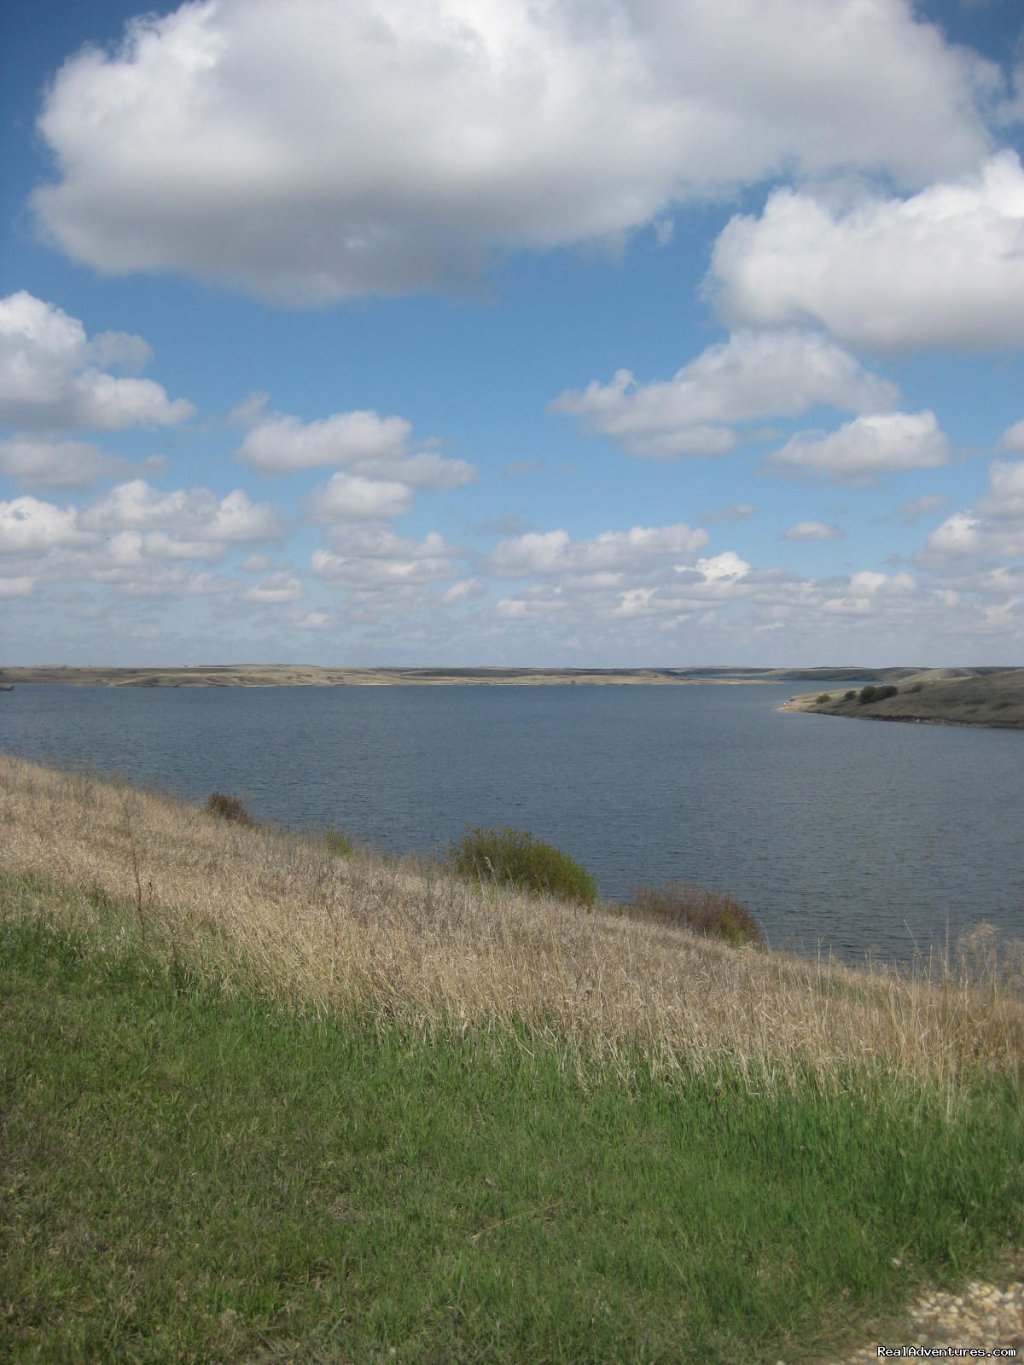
pixel 190 1177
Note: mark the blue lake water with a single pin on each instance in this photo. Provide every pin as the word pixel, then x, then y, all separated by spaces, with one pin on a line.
pixel 850 835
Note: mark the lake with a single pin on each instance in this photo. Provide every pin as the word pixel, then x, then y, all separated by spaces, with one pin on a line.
pixel 847 835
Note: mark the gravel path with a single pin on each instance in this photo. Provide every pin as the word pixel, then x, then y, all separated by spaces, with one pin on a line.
pixel 985 1315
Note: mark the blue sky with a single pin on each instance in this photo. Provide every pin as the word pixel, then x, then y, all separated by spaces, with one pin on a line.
pixel 484 331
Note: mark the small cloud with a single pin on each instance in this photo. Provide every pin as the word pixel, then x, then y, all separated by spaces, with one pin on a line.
pixel 311 620
pixel 466 587
pixel 723 567
pixel 1012 439
pixel 812 530
pixel 859 451
pixel 348 497
pixel 277 443
pixel 508 525
pixel 749 377
pixel 50 380
pixel 255 564
pixel 515 469
pixel 916 508
pixel 737 511
pixel 16 587
pixel 276 589
pixel 50 462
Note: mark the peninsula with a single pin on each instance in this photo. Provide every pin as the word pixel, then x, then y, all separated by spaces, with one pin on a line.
pixel 937 696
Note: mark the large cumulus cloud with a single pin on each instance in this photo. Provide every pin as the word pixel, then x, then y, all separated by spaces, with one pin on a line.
pixel 311 150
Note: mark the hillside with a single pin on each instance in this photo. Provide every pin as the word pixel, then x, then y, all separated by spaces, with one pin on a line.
pixel 939 696
pixel 266 1098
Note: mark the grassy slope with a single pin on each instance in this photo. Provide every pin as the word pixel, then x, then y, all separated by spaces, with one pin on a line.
pixel 991 699
pixel 189 1177
pixel 263 1103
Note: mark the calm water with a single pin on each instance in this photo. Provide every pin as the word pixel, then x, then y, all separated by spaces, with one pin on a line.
pixel 856 836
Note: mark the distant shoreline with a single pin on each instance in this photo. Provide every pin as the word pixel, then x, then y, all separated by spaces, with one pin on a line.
pixel 300 675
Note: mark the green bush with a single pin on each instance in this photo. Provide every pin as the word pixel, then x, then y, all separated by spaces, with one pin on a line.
pixel 869 694
pixel 851 695
pixel 824 698
pixel 515 858
pixel 338 843
pixel 712 914
pixel 228 808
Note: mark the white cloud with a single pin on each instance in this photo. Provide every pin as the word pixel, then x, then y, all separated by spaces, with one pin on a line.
pixel 465 587
pixel 279 443
pixel 925 506
pixel 1005 497
pixel 422 470
pixel 866 447
pixel 195 514
pixel 960 534
pixel 311 620
pixel 16 587
pixel 993 529
pixel 361 442
pixel 255 563
pixel 750 376
pixel 942 268
pixel 54 463
pixel 1013 439
pixel 49 379
pixel 374 557
pixel 28 526
pixel 555 552
pixel 812 530
pixel 737 511
pixel 726 567
pixel 859 595
pixel 349 497
pixel 309 151
pixel 278 588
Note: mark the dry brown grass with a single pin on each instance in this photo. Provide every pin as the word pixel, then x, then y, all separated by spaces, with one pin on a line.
pixel 274 911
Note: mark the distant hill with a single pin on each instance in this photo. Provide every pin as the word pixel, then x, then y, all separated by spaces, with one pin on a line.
pixel 308 675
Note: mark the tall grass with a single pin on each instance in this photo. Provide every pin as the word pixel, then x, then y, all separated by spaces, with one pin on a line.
pixel 268 911
pixel 267 1099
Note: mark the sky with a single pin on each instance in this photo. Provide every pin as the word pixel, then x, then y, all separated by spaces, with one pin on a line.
pixel 584 333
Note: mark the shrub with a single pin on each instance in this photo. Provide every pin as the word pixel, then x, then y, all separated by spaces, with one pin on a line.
pixel 337 843
pixel 917 687
pixel 228 808
pixel 712 914
pixel 870 694
pixel 515 858
pixel 823 698
pixel 851 695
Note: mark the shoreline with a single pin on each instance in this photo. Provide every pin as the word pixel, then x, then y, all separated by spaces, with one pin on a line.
pixel 302 675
